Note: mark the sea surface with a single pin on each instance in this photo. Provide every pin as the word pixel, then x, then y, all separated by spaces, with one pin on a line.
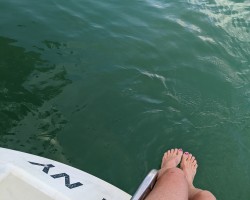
pixel 109 86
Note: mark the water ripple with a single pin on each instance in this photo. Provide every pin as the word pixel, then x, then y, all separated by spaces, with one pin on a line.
pixel 148 99
pixel 233 17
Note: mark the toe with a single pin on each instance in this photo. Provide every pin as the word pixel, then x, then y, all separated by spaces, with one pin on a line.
pixel 195 167
pixel 184 159
pixel 185 156
pixel 179 154
pixel 180 151
pixel 164 158
pixel 175 151
pixel 165 155
pixel 172 151
pixel 192 159
pixel 189 157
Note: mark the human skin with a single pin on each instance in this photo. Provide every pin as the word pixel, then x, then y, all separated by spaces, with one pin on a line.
pixel 175 183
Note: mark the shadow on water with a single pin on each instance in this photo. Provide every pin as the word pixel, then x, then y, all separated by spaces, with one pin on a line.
pixel 27 82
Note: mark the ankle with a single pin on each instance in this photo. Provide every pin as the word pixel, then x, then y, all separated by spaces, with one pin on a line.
pixel 203 194
pixel 166 171
pixel 162 171
pixel 192 191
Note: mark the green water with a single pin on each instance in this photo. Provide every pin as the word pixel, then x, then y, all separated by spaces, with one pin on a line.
pixel 108 86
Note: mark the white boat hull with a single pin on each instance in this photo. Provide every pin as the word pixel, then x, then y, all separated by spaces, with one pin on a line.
pixel 28 177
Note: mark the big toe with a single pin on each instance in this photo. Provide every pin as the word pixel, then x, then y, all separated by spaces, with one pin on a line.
pixel 179 154
pixel 185 157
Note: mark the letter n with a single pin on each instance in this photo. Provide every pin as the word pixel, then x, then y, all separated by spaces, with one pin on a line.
pixel 67 180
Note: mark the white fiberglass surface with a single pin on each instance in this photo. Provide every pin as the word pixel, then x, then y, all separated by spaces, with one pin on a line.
pixel 14 188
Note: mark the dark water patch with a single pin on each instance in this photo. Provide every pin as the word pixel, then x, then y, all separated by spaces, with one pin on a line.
pixel 24 90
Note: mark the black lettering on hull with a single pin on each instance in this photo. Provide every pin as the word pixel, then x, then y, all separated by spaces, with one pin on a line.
pixel 46 167
pixel 66 176
pixel 67 180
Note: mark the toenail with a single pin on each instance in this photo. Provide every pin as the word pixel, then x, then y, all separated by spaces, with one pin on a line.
pixel 180 150
pixel 186 153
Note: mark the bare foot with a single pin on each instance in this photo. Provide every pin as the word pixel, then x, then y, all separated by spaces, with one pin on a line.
pixel 170 159
pixel 189 167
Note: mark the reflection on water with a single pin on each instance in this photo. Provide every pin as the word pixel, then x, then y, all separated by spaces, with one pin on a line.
pixel 233 17
pixel 26 83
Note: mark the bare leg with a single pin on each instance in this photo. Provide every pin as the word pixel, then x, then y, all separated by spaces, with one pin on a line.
pixel 171 183
pixel 189 167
